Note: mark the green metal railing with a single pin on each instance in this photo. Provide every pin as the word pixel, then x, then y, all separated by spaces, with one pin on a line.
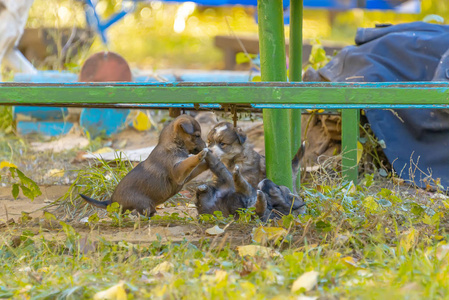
pixel 277 95
pixel 274 68
pixel 295 71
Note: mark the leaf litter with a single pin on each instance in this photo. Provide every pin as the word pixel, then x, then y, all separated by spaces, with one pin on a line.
pixel 361 241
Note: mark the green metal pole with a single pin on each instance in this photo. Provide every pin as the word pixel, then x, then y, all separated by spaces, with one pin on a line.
pixel 295 72
pixel 350 137
pixel 273 68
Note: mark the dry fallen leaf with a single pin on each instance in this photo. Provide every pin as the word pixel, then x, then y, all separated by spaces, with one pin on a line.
pixel 162 268
pixel 302 297
pixel 408 239
pixel 341 239
pixel 265 234
pixel 221 275
pixel 116 292
pixel 359 151
pixel 307 281
pixel 348 260
pixel 160 206
pixel 103 150
pixel 254 250
pixel 442 251
pixel 306 248
pixel 142 122
pixel 55 173
pixel 215 230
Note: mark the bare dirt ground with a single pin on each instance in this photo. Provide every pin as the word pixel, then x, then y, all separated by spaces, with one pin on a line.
pixel 137 232
pixel 10 208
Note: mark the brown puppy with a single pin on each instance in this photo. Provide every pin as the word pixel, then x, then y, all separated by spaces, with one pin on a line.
pixel 164 172
pixel 229 144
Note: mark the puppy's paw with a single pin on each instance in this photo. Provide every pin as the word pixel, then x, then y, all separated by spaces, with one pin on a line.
pixel 149 212
pixel 202 188
pixel 203 154
pixel 236 173
pixel 211 158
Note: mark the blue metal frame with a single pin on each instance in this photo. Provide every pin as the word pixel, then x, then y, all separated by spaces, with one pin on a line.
pixel 94 21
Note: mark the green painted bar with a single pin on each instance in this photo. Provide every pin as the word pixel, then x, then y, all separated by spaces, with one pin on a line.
pixel 295 72
pixel 350 137
pixel 273 68
pixel 346 94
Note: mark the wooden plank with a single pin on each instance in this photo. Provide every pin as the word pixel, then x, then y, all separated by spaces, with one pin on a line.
pixel 262 95
pixel 349 139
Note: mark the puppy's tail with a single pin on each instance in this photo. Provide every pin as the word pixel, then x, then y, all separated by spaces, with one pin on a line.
pixel 297 159
pixel 100 204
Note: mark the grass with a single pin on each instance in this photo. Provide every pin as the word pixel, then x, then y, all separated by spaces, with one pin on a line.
pixel 365 242
pixel 98 180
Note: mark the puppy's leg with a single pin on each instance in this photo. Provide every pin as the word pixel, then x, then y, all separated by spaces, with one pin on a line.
pixel 241 185
pixel 296 163
pixel 143 206
pixel 149 212
pixel 222 174
pixel 261 205
pixel 183 169
pixel 203 166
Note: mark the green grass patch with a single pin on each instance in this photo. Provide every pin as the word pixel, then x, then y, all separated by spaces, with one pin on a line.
pixel 364 242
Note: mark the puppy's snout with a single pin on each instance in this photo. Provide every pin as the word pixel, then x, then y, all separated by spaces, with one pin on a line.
pixel 200 145
pixel 266 185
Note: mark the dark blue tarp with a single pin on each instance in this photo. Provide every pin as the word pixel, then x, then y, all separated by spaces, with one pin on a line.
pixel 417 140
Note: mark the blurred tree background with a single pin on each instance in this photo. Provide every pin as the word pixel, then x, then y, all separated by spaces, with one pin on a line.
pixel 158 35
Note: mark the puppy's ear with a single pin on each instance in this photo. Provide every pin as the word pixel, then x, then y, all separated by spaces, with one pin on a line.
pixel 187 127
pixel 240 135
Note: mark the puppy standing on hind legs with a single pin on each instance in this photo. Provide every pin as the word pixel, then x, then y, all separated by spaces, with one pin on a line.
pixel 164 172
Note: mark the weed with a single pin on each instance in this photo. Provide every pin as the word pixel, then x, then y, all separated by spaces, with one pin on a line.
pixel 216 218
pixel 246 215
pixel 318 57
pixel 20 182
pixel 6 120
pixel 98 180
